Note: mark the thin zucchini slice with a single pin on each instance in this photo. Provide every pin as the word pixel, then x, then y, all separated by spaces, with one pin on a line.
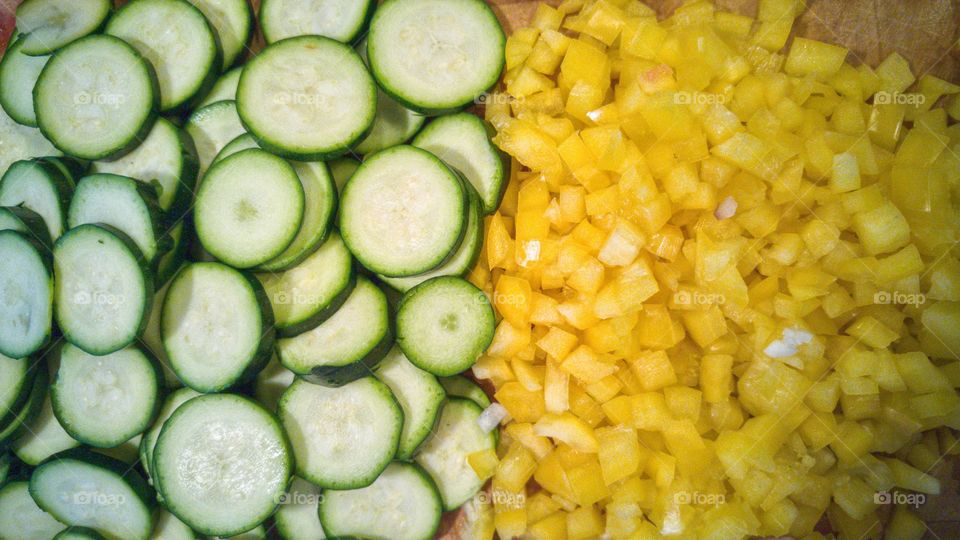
pixel 311 292
pixel 123 203
pixel 342 169
pixel 16 383
pixel 462 387
pixel 167 159
pixel 297 517
pixel 342 438
pixel 149 441
pixel 26 221
pixel 307 98
pixel 218 448
pixel 444 454
pixel 225 89
pixel 42 435
pixel 47 25
pixel 462 141
pixel 95 98
pixel 435 56
pixel 78 533
pixel 177 40
pixel 18 76
pixel 14 426
pixel 402 503
pixel 419 394
pixel 271 383
pixel 104 401
pixel 232 21
pixel 342 20
pixel 169 527
pixel 104 289
pixel 86 489
pixel 21 142
pixel 394 124
pixel 127 451
pixel 172 260
pixel 444 325
pixel 21 518
pixel 403 212
pixel 216 326
pixel 211 128
pixel 152 341
pixel 249 208
pixel 26 287
pixel 39 186
pixel 345 346
pixel 461 262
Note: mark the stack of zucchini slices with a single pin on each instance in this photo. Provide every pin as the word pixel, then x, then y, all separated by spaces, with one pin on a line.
pixel 231 284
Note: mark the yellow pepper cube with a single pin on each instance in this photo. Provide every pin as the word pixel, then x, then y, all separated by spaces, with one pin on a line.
pixel 657 329
pixel 845 175
pixel 583 98
pixel 901 264
pixel 905 525
pixel 509 340
pixel 819 237
pixel 584 522
pixel 872 332
pixel 812 57
pixel 510 523
pixel 572 201
pixel 519 45
pixel 716 377
pixel 552 526
pixel 584 364
pixel 683 402
pixel 585 62
pixel 498 244
pixel 513 298
pixel 516 467
pixel 586 482
pixel 522 432
pixel 705 325
pixel 547 18
pixel 643 38
pixel 522 404
pixel 895 74
pixel 853 442
pixel 588 277
pixel 654 370
pixel 557 343
pixel 484 463
pixel 618 452
pixel 650 412
pixel 882 229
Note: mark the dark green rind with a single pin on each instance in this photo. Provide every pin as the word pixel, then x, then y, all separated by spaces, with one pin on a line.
pixel 341 375
pixel 71 168
pixel 323 313
pixel 47 49
pixel 61 185
pixel 36 365
pixel 462 387
pixel 33 225
pixel 14 428
pixel 358 33
pixel 78 533
pixel 44 254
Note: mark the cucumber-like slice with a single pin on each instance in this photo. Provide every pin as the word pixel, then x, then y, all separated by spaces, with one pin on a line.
pixel 152 341
pixel 402 503
pixel 311 292
pixel 462 387
pixel 444 454
pixel 177 40
pixel 463 142
pixel 232 21
pixel 444 325
pixel 42 435
pixel 225 89
pixel 39 186
pixel 47 25
pixel 460 262
pixel 26 221
pixel 123 203
pixel 16 425
pixel 78 533
pixel 343 437
pixel 26 286
pixel 21 142
pixel 435 55
pixel 394 124
pixel 172 260
pixel 216 326
pixel 271 383
pixel 342 169
pixel 169 527
pixel 297 517
pixel 21 518
pixel 87 489
pixel 16 383
pixel 18 76
pixel 249 208
pixel 345 346
pixel 403 212
pixel 342 20
pixel 307 98
pixel 104 289
pixel 166 159
pixel 127 452
pixel 104 401
pixel 148 442
pixel 94 99
pixel 217 448
pixel 211 128
pixel 419 394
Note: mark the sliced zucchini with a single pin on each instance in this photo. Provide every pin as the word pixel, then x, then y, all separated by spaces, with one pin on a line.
pixel 123 203
pixel 16 383
pixel 104 289
pixel 172 260
pixel 26 221
pixel 148 442
pixel 271 383
pixel 26 287
pixel 177 40
pixel 394 124
pixel 307 98
pixel 216 326
pixel 14 426
pixel 127 451
pixel 222 464
pixel 152 341
pixel 169 527
pixel 21 142
pixel 342 438
pixel 18 76
pixel 225 89
pixel 444 454
pixel 435 55
pixel 342 169
pixel 402 503
pixel 403 212
pixel 463 142
pixel 166 159
pixel 311 292
pixel 47 25
pixel 21 518
pixel 462 387
pixel 83 488
pixel 444 325
pixel 78 533
pixel 345 346
pixel 249 208
pixel 232 21
pixel 43 436
pixel 95 98
pixel 297 517
pixel 104 401
pixel 39 186
pixel 461 262
pixel 342 20
pixel 419 394
pixel 211 128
